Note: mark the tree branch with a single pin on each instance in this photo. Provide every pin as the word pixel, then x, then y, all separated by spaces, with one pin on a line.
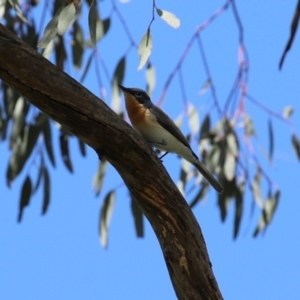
pixel 91 120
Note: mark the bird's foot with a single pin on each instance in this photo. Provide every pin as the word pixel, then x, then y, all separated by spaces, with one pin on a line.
pixel 163 156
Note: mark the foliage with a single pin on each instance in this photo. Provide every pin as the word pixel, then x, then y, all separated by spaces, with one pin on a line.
pixel 226 147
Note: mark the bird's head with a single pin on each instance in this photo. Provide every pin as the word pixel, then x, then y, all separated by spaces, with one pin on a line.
pixel 135 94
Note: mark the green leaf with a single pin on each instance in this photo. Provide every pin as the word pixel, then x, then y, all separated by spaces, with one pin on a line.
pixel 47 133
pixel 293 30
pixel 193 118
pixel 64 149
pixel 215 155
pixel 229 166
pixel 224 202
pixel 185 165
pixel 230 156
pixel 205 127
pixel 15 5
pixel 296 145
pixel 2 8
pixel 82 147
pixel 271 139
pixel 105 217
pixel 3 128
pixel 239 205
pixel 249 127
pixel 137 217
pixel 220 127
pixel 66 18
pixel 99 177
pixel 16 162
pixel 10 98
pixel 102 28
pixel 169 18
pixel 48 50
pixel 269 208
pixel 179 120
pixel 118 79
pixel 205 87
pixel 288 111
pixel 40 176
pixel 120 71
pixel 144 49
pixel 22 149
pixel 77 46
pixel 19 115
pixel 255 186
pixel 33 133
pixel 49 33
pixel 150 78
pixel 225 198
pixel 25 196
pixel 93 17
pixel 47 191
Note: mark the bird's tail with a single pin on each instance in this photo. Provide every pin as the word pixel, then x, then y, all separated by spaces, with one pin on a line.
pixel 208 176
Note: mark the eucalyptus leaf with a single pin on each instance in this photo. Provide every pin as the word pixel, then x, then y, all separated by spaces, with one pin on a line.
pixel 49 33
pixel 105 217
pixel 138 218
pixel 102 28
pixel 269 208
pixel 145 48
pixel 47 133
pixel 47 191
pixel 118 79
pixel 249 127
pixel 169 18
pixel 99 177
pixel 150 78
pixel 193 118
pixel 288 111
pixel 296 145
pixel 64 150
pixel 271 140
pixel 15 5
pixel 19 115
pixel 77 46
pixel 66 18
pixel 40 177
pixel 205 127
pixel 93 17
pixel 25 196
pixel 82 147
pixel 239 207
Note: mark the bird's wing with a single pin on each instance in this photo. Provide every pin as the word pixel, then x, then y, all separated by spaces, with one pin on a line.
pixel 168 124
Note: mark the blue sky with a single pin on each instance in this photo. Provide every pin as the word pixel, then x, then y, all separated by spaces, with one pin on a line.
pixel 59 256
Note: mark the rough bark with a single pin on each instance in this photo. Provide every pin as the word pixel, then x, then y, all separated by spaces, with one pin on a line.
pixel 90 119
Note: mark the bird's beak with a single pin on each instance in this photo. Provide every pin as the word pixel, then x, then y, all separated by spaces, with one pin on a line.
pixel 123 88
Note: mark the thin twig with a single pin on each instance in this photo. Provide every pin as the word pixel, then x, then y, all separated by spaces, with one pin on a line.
pixel 189 46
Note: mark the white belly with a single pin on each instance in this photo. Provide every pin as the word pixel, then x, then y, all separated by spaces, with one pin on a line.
pixel 163 140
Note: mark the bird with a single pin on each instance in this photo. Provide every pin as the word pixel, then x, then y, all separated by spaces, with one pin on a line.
pixel 158 129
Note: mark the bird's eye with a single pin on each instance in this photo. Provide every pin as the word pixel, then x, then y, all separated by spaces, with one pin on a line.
pixel 137 94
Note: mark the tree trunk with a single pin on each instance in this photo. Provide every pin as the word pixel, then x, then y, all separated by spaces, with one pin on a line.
pixel 91 120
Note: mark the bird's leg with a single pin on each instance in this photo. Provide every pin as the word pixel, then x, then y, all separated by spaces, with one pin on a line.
pixel 163 155
pixel 153 144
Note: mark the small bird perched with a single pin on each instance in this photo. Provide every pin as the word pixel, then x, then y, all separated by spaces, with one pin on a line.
pixel 160 131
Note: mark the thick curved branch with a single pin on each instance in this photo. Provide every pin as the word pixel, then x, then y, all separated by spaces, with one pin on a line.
pixel 90 119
